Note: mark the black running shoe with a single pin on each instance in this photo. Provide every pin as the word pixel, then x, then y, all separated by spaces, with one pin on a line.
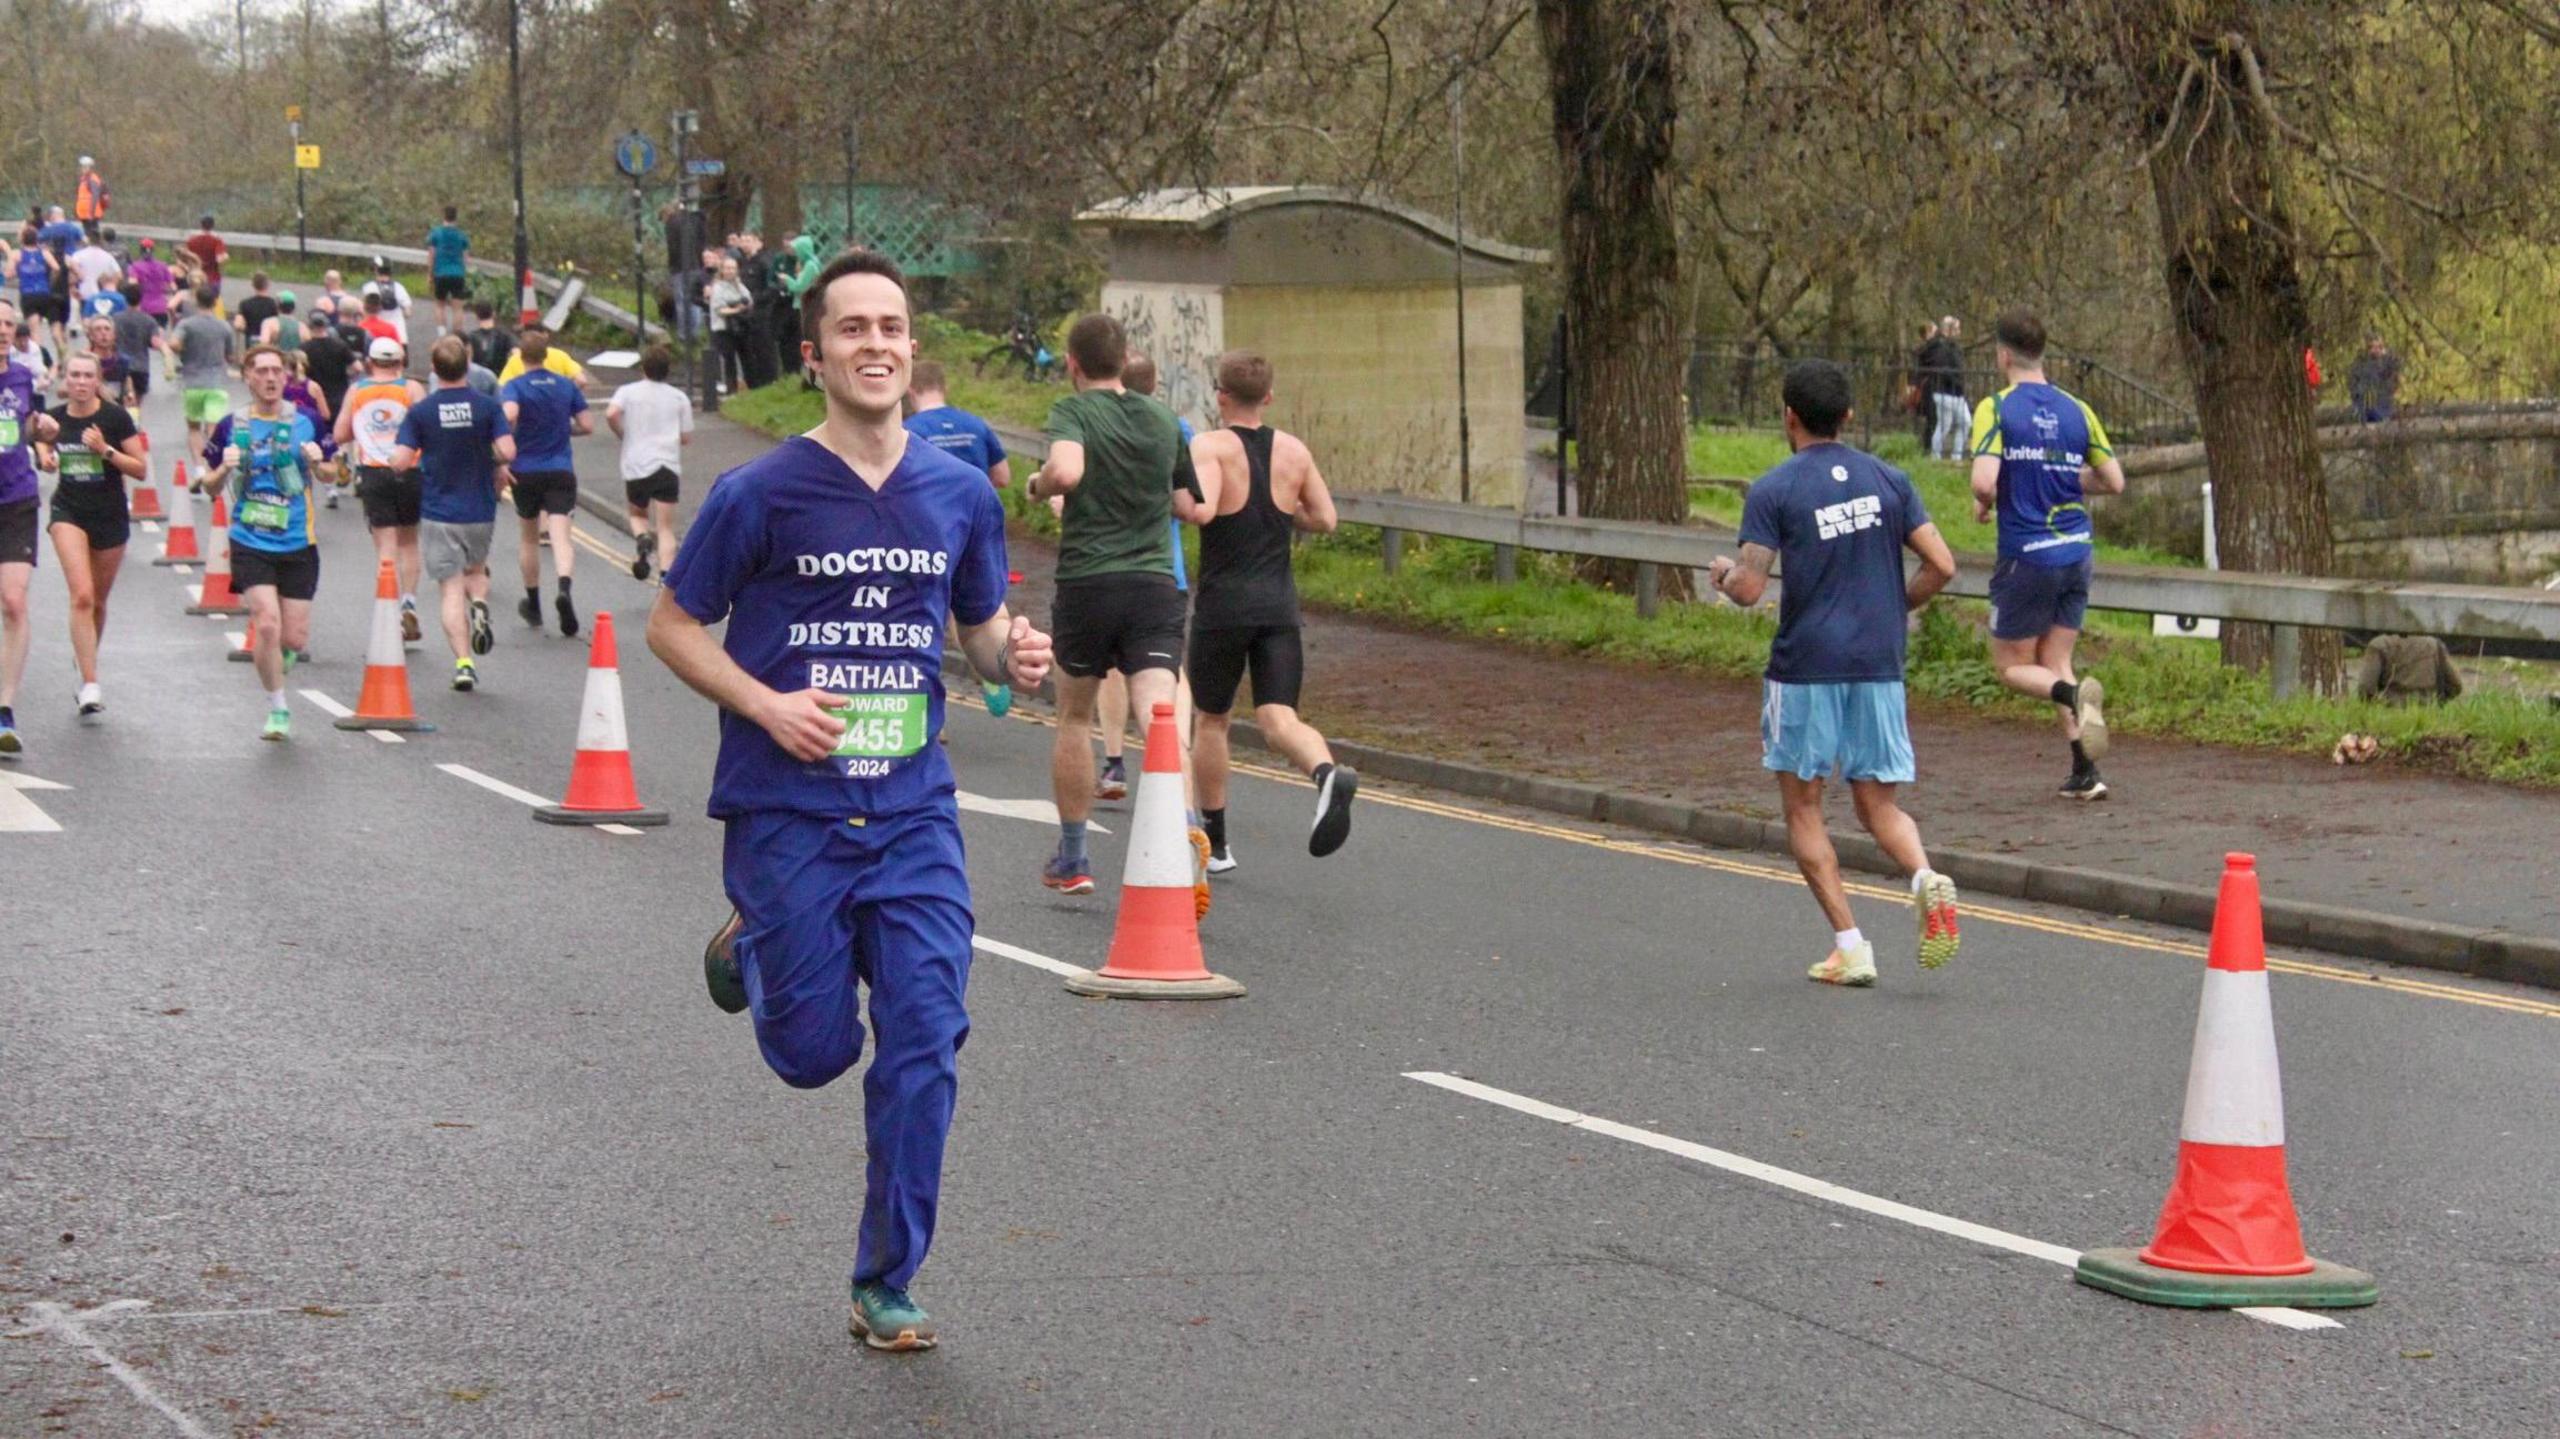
pixel 647 545
pixel 484 636
pixel 1333 810
pixel 720 967
pixel 2085 786
pixel 529 611
pixel 568 616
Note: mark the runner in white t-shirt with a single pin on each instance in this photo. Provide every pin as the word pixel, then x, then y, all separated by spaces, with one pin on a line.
pixel 655 421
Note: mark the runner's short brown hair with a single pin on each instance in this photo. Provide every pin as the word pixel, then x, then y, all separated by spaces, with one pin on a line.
pixel 656 361
pixel 926 377
pixel 450 358
pixel 1098 346
pixel 813 305
pixel 1244 377
pixel 2020 330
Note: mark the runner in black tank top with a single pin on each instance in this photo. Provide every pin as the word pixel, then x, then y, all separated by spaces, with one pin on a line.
pixel 1245 605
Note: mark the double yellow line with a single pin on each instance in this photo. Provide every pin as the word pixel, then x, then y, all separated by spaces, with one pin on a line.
pixel 586 540
pixel 1698 859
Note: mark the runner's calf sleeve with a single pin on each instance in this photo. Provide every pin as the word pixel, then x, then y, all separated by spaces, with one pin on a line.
pixel 2066 694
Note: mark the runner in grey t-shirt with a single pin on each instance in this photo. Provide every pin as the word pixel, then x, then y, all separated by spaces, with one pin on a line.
pixel 206 347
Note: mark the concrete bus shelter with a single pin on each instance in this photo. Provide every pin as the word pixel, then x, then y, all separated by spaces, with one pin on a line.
pixel 1354 302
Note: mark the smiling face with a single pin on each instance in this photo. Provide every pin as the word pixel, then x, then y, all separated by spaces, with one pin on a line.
pixel 864 351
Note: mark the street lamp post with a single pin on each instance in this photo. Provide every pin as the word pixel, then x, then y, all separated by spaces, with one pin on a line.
pixel 515 145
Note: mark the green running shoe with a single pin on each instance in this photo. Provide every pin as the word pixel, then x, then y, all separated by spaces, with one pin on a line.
pixel 279 725
pixel 999 698
pixel 720 967
pixel 887 1319
pixel 1935 904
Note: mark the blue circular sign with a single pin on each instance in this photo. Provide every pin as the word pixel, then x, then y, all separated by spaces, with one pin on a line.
pixel 634 156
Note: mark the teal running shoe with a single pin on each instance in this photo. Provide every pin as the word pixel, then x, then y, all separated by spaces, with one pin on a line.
pixel 999 698
pixel 279 725
pixel 887 1319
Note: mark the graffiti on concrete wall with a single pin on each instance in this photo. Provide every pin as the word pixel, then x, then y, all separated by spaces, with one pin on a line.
pixel 1183 329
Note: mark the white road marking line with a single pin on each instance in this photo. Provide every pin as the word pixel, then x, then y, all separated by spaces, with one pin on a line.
pixel 387 736
pixel 1019 955
pixel 195 594
pixel 149 527
pixel 65 1325
pixel 1812 1188
pixel 494 786
pixel 21 815
pixel 1038 811
pixel 235 639
pixel 615 829
pixel 327 705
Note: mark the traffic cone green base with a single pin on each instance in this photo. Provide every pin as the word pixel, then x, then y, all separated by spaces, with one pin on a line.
pixel 2327 1286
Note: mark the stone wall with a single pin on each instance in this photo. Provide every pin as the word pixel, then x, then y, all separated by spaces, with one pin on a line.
pixel 2464 499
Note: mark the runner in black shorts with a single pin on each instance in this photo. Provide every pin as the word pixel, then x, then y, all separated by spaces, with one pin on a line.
pixel 1120 461
pixel 367 429
pixel 545 492
pixel 97 448
pixel 1262 486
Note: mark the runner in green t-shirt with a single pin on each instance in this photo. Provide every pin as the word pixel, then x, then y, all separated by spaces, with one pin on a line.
pixel 1120 461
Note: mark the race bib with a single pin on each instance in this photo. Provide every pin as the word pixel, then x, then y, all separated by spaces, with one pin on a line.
pixel 889 726
pixel 264 512
pixel 8 432
pixel 79 462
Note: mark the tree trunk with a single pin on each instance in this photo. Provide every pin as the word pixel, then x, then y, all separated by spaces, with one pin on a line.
pixel 1613 67
pixel 2237 294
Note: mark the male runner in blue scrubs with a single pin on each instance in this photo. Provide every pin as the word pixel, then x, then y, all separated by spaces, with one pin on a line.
pixel 835 558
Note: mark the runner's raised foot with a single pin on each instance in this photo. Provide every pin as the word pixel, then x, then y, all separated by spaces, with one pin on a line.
pixel 885 1318
pixel 1113 782
pixel 1336 786
pixel 484 637
pixel 720 967
pixel 529 610
pixel 1933 901
pixel 410 634
pixel 568 615
pixel 2087 708
pixel 10 745
pixel 999 698
pixel 645 546
pixel 279 725
pixel 465 677
pixel 1201 899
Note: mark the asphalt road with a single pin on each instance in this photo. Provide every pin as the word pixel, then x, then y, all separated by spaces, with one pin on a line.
pixel 344 1099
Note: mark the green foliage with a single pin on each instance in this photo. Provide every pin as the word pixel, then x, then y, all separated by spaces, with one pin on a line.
pixel 784 408
pixel 2170 688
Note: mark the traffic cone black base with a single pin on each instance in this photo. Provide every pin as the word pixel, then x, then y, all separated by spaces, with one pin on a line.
pixel 2327 1286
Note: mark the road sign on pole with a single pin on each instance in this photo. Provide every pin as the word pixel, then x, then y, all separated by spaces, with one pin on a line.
pixel 706 167
pixel 306 157
pixel 634 156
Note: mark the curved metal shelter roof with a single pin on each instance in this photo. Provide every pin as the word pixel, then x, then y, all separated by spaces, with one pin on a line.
pixel 1203 210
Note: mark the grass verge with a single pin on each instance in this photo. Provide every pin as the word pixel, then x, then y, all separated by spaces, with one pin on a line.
pixel 2176 689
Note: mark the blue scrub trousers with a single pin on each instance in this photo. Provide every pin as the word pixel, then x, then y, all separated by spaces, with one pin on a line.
pixel 882 900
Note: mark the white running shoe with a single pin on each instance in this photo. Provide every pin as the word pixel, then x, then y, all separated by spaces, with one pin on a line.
pixel 92 699
pixel 1855 969
pixel 2093 718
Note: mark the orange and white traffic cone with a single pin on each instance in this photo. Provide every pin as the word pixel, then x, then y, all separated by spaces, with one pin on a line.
pixel 2228 1236
pixel 526 312
pixel 146 493
pixel 384 701
pixel 180 548
pixel 1155 950
pixel 216 597
pixel 601 789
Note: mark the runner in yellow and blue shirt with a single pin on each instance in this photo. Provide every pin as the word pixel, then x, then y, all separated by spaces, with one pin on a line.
pixel 2038 453
pixel 275 561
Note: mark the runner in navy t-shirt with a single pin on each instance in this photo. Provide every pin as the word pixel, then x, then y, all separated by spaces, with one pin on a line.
pixel 1834 521
pixel 834 558
pixel 547 410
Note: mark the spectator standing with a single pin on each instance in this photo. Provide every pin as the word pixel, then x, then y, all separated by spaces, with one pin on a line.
pixel 730 304
pixel 755 271
pixel 2373 382
pixel 89 197
pixel 1944 366
pixel 1918 402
